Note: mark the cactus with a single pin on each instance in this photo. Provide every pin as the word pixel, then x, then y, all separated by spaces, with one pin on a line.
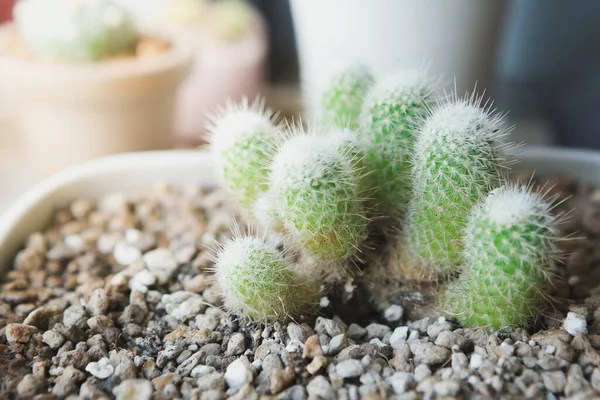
pixel 243 140
pixel 458 159
pixel 510 248
pixel 343 96
pixel 74 30
pixel 317 179
pixel 389 122
pixel 258 281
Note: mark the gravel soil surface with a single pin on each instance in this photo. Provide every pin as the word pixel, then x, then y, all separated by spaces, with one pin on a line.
pixel 115 300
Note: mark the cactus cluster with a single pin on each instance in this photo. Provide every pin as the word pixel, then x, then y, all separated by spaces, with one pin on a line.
pixel 458 158
pixel 75 30
pixel 437 167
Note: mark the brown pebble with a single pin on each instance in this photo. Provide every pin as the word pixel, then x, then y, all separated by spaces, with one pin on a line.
pixel 161 381
pixel 99 323
pixel 281 379
pixel 41 317
pixel 19 333
pixel 312 347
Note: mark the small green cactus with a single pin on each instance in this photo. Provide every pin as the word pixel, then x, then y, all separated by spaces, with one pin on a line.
pixel 75 30
pixel 458 159
pixel 256 280
pixel 510 248
pixel 343 96
pixel 389 123
pixel 243 140
pixel 317 179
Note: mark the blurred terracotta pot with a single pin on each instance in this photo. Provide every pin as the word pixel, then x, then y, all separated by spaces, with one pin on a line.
pixel 68 113
pixel 6 7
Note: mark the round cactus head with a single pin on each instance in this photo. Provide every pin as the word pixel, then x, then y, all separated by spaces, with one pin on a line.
pixel 243 139
pixel 259 282
pixel 343 96
pixel 458 158
pixel 389 122
pixel 317 178
pixel 75 30
pixel 510 248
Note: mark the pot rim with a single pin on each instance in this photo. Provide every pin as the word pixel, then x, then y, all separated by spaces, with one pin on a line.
pixel 178 58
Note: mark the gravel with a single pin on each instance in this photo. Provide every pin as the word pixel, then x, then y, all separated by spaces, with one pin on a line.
pixel 115 301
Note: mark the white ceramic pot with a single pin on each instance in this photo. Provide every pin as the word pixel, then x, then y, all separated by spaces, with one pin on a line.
pixel 458 38
pixel 130 172
pixel 69 113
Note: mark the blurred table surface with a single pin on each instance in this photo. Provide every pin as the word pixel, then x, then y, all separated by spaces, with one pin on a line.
pixel 16 176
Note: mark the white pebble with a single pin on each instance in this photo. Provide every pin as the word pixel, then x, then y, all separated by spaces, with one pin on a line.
pixel 201 370
pixel 324 303
pixel 294 346
pixel 137 286
pixel 160 259
pixel 422 371
pixel 476 361
pixel 145 277
pixel 393 313
pixel 119 279
pixel 400 382
pixel 132 236
pixel 101 369
pixel 575 323
pixel 400 333
pixel 74 242
pixel 125 254
pixel 238 374
pixel 414 335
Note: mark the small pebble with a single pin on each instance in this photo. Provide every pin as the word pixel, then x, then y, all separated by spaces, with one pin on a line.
pixel 101 369
pixel 126 254
pixel 349 368
pixel 238 373
pixel 575 323
pixel 393 313
pixel 133 389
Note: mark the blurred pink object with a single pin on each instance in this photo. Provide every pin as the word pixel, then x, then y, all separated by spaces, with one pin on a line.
pixel 223 70
pixel 6 7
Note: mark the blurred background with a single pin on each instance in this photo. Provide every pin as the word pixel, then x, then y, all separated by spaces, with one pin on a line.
pixel 539 60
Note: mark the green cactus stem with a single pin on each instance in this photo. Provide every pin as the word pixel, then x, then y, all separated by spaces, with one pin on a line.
pixel 510 248
pixel 388 126
pixel 318 180
pixel 243 140
pixel 258 281
pixel 343 96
